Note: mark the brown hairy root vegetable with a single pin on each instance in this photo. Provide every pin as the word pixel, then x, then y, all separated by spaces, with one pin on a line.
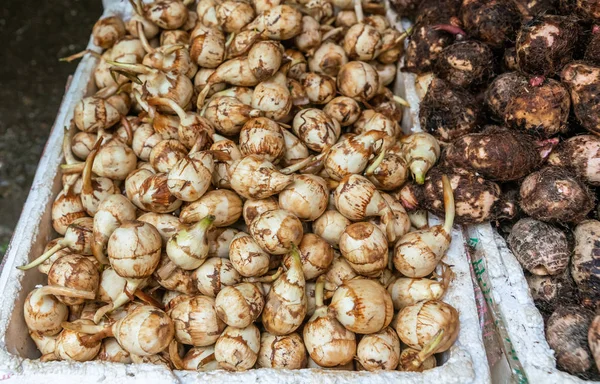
pixel 540 248
pixel 580 154
pixel 553 194
pixel 584 263
pixel 509 60
pixel 592 51
pixel 594 339
pixel 545 44
pixel 405 8
pixel 584 83
pixel 424 46
pixel 548 292
pixel 532 8
pixel 542 110
pixel 498 153
pixel 501 91
pixel 465 64
pixel 567 335
pixel 589 9
pixel 437 11
pixel 477 200
pixel 493 22
pixel 448 112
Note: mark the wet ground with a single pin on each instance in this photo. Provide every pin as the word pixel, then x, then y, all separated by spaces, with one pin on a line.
pixel 33 35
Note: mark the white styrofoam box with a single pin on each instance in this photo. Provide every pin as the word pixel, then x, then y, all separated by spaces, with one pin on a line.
pixel 465 362
pixel 522 319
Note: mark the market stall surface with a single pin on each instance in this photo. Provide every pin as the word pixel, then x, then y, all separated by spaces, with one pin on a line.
pixel 33 36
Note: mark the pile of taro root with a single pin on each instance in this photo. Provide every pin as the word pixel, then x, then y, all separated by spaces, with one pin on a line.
pixel 512 91
pixel 231 195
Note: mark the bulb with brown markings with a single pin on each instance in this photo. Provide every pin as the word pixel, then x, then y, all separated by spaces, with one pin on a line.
pixel 365 247
pixel 374 313
pixel 285 305
pixel 284 352
pixel 196 321
pixel 379 351
pixel 215 274
pixel 237 348
pixel 327 341
pixel 247 256
pixel 277 231
pixel 239 305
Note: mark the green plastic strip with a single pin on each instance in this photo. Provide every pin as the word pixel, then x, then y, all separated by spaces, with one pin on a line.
pixel 476 254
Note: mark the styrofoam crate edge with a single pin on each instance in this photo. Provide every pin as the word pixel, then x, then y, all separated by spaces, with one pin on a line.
pixel 523 321
pixel 466 360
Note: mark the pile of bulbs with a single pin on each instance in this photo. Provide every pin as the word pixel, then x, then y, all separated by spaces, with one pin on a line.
pixel 230 198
